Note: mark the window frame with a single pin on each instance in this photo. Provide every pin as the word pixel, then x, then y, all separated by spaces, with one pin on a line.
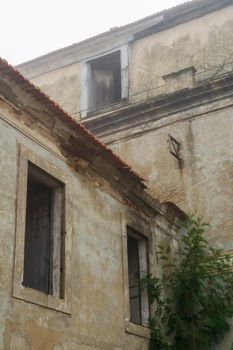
pixel 85 108
pixel 107 63
pixel 141 226
pixel 58 303
pixel 142 262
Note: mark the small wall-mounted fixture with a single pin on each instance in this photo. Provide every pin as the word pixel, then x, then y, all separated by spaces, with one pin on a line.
pixel 174 147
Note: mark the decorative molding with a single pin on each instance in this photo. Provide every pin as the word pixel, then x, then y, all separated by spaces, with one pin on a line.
pixel 19 291
pixel 163 110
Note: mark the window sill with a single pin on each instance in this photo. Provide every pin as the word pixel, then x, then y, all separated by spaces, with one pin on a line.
pixel 136 329
pixel 39 298
pixel 106 109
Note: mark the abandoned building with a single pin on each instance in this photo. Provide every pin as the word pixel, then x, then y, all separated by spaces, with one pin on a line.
pixel 158 96
pixel 78 231
pixel 158 92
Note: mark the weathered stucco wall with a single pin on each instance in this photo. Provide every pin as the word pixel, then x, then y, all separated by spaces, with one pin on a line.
pixel 204 182
pixel 98 317
pixel 63 86
pixel 205 43
pixel 97 276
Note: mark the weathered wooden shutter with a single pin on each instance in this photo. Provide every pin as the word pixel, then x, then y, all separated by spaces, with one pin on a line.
pixel 103 83
pixel 105 80
pixel 37 267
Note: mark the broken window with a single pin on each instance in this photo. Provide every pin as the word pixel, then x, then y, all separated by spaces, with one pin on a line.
pixel 105 80
pixel 137 269
pixel 43 248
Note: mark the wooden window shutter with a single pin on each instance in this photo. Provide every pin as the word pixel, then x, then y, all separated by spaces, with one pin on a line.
pixel 37 258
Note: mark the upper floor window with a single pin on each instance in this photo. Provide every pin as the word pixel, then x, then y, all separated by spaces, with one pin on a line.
pixel 104 81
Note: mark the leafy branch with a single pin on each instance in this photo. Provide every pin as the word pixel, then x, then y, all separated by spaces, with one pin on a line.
pixel 200 287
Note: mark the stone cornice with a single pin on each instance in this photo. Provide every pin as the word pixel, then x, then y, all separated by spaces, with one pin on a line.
pixel 118 36
pixel 163 110
pixel 183 13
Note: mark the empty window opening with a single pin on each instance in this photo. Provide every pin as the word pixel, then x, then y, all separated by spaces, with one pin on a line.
pixel 43 252
pixel 105 80
pixel 137 269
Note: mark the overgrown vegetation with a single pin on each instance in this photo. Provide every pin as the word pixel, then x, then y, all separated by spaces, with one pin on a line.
pixel 200 287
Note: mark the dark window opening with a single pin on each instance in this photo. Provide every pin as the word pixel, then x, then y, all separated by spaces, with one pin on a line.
pixel 105 80
pixel 43 232
pixel 134 281
pixel 137 249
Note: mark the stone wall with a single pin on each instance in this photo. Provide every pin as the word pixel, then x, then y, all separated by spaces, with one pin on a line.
pixel 99 217
pixel 204 43
pixel 204 181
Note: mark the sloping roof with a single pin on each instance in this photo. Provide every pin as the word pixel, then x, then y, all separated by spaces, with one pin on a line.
pixel 81 132
pixel 159 21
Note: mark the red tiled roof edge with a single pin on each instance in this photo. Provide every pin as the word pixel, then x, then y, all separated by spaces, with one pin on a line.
pixel 14 75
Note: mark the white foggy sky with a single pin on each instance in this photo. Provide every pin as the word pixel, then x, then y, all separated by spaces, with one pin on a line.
pixel 31 28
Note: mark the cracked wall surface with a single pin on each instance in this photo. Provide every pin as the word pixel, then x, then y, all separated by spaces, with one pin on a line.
pixel 205 181
pixel 204 43
pixel 97 319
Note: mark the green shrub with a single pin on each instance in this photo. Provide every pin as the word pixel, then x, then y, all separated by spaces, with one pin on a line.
pixel 200 287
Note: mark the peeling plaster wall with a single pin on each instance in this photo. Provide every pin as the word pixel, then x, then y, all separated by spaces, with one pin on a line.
pixel 63 86
pixel 204 183
pixel 205 43
pixel 149 154
pixel 97 319
pixel 212 174
pixel 97 307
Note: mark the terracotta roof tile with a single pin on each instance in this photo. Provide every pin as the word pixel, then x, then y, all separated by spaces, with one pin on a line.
pixel 86 136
